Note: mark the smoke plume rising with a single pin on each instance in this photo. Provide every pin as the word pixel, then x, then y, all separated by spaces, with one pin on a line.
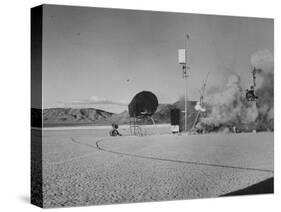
pixel 228 107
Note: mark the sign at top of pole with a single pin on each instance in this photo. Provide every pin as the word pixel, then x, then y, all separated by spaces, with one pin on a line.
pixel 182 56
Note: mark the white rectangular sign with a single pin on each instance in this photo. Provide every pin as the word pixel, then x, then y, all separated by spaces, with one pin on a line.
pixel 182 56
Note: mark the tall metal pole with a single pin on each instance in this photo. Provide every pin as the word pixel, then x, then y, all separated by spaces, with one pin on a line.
pixel 185 78
pixel 185 102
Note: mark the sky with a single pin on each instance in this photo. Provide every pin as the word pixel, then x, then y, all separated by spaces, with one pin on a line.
pixel 96 57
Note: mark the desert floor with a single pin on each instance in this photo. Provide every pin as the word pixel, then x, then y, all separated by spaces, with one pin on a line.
pixel 86 166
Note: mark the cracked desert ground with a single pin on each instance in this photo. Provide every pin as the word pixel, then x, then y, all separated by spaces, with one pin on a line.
pixel 87 167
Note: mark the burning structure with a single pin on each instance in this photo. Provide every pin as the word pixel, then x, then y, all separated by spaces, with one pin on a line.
pixel 229 110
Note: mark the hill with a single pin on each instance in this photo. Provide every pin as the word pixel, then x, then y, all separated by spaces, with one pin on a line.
pixel 90 116
pixel 75 116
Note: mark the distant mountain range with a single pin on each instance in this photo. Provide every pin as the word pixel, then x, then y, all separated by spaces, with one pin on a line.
pixel 53 117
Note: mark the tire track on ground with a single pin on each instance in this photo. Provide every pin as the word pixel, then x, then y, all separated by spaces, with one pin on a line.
pixel 179 161
pixel 78 157
pixel 98 147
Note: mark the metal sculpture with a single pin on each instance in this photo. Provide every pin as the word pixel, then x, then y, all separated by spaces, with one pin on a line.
pixel 142 106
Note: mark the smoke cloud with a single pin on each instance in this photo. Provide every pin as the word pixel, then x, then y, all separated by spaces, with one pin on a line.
pixel 228 107
pixel 263 60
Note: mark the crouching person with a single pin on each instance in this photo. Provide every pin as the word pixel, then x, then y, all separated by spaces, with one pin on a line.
pixel 114 131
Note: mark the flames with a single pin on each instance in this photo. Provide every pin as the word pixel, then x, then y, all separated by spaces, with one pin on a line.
pixel 228 109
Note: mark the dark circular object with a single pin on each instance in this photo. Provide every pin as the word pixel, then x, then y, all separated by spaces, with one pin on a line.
pixel 144 103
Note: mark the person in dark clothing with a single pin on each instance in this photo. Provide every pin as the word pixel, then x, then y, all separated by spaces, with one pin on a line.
pixel 114 131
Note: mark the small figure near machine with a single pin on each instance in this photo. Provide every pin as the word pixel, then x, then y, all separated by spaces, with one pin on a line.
pixel 114 131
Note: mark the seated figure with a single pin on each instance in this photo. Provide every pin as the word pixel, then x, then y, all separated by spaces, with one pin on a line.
pixel 114 131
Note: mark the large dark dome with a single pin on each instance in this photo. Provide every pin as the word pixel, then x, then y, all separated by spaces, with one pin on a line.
pixel 144 103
